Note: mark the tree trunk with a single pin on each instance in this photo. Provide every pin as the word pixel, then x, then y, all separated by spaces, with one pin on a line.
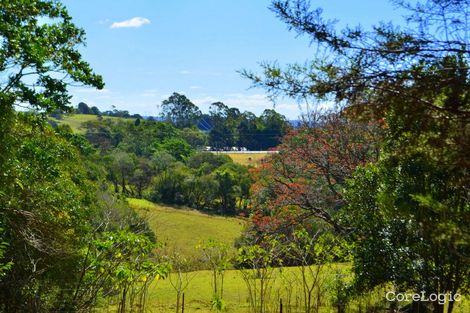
pixel 123 185
pixel 450 308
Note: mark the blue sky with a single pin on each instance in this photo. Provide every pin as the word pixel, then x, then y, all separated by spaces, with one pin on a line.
pixel 148 49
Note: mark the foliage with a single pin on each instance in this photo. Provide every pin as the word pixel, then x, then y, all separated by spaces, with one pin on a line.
pixel 33 53
pixel 120 261
pixel 303 183
pixel 230 127
pixel 180 111
pixel 416 226
pixel 257 265
pixel 45 216
pixel 178 148
pixel 216 255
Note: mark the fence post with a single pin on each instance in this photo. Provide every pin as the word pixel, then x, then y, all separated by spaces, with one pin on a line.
pixel 182 304
pixel 280 305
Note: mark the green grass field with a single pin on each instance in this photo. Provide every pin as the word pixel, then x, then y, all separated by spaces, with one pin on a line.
pixel 75 121
pixel 285 284
pixel 183 229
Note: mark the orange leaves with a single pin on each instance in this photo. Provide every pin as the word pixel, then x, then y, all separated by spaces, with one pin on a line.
pixel 311 167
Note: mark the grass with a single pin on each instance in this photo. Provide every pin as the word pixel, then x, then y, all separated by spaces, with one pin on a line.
pixel 75 121
pixel 199 292
pixel 247 158
pixel 183 229
pixel 286 285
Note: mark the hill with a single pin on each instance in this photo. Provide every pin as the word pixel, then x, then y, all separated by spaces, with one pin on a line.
pixel 183 229
pixel 75 121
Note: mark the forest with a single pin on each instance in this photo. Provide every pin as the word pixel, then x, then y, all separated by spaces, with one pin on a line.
pixel 363 207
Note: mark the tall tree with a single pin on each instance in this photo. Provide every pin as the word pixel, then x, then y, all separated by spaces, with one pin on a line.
pixel 221 134
pixel 43 193
pixel 180 111
pixel 33 54
pixel 272 127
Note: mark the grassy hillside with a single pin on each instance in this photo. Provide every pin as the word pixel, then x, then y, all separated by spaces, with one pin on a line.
pixel 183 229
pixel 75 121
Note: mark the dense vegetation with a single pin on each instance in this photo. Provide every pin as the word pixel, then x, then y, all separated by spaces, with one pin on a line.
pixel 65 241
pixel 224 128
pixel 155 160
pixel 388 172
pixel 380 181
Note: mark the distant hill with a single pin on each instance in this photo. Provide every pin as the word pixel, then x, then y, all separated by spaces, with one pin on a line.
pixel 75 121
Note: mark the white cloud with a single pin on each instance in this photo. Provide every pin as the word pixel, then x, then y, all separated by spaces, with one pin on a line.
pixel 133 23
pixel 195 87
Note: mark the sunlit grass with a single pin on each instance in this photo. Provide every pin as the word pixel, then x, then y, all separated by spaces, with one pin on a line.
pixel 247 158
pixel 75 121
pixel 183 229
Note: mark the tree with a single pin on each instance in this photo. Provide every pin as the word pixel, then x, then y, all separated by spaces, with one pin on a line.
pixel 83 108
pixel 257 265
pixel 33 55
pixel 201 191
pixel 216 255
pixel 233 182
pixel 33 50
pixel 122 167
pixel 221 134
pixel 272 127
pixel 196 138
pixel 118 264
pixel 142 175
pixel 44 195
pixel 45 217
pixel 311 169
pixel 176 147
pixel 180 111
pixel 247 130
pixel 182 276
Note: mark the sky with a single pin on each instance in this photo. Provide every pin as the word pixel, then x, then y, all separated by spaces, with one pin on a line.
pixel 147 49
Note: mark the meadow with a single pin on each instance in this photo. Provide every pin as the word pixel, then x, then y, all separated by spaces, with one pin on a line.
pixel 253 158
pixel 75 121
pixel 182 229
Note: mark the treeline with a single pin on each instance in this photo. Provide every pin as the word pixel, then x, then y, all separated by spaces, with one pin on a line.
pixel 226 128
pixel 159 162
pixel 83 108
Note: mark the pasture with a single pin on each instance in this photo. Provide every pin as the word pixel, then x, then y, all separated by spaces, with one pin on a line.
pixel 75 121
pixel 183 229
pixel 251 158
